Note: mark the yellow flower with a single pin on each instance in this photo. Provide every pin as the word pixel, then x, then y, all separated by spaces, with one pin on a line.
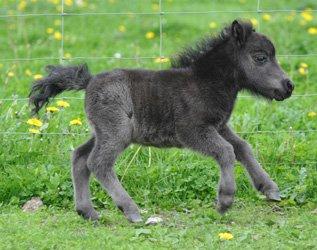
pixel 62 104
pixel 69 2
pixel 150 35
pixel 67 55
pixel 302 71
pixel 307 16
pixel 122 28
pixel 52 109
pixel 161 60
pixel 57 22
pixel 303 65
pixel 266 17
pixel 254 22
pixel 37 77
pixel 311 114
pixel 49 30
pixel 22 5
pixel 28 72
pixel 225 236
pixel 75 122
pixel 10 74
pixel 312 31
pixel 34 131
pixel 35 122
pixel 212 25
pixel 155 7
pixel 54 1
pixel 58 35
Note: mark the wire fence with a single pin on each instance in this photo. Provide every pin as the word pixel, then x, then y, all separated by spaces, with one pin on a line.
pixel 157 14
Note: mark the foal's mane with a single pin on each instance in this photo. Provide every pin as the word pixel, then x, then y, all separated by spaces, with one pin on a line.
pixel 192 54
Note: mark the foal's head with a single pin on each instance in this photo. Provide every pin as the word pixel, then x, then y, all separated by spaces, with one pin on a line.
pixel 241 55
pixel 256 67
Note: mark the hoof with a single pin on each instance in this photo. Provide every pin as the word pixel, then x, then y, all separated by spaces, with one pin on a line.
pixel 273 195
pixel 134 218
pixel 88 214
pixel 224 202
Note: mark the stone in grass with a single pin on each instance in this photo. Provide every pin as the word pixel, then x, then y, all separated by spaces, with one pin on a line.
pixel 32 205
pixel 153 220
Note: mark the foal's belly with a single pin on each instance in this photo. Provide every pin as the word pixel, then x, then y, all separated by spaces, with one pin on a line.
pixel 157 135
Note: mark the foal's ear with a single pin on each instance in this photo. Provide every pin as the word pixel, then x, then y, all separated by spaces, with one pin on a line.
pixel 239 32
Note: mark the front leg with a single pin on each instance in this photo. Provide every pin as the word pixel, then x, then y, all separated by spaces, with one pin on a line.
pixel 206 140
pixel 261 180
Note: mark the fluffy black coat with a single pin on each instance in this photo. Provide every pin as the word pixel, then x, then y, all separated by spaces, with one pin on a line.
pixel 188 106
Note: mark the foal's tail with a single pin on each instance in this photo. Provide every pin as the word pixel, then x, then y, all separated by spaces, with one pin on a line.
pixel 59 78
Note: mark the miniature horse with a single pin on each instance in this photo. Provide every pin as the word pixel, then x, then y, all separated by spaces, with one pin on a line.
pixel 186 106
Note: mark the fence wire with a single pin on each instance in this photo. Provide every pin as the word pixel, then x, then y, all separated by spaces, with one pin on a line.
pixel 160 13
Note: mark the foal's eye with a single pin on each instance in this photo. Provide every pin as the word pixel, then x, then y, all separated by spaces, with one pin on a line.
pixel 260 58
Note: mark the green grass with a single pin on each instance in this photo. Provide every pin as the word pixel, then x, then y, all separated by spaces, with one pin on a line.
pixel 162 181
pixel 252 225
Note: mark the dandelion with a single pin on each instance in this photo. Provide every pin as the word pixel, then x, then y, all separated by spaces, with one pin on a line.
pixel 302 71
pixel 155 7
pixel 22 5
pixel 57 22
pixel 54 1
pixel 303 65
pixel 225 236
pixel 58 35
pixel 312 31
pixel 49 30
pixel 62 104
pixel 149 35
pixel 75 122
pixel 69 2
pixel 28 72
pixel 34 131
pixel 212 25
pixel 37 77
pixel 10 74
pixel 311 114
pixel 51 109
pixel 35 122
pixel 254 22
pixel 266 17
pixel 122 28
pixel 307 16
pixel 162 59
pixel 67 55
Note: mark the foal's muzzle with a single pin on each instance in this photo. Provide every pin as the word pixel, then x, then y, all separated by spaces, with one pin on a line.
pixel 285 92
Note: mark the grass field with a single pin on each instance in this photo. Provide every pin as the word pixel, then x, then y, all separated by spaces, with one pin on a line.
pixel 166 182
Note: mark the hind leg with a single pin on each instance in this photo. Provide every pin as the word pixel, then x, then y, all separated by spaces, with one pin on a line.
pixel 101 162
pixel 81 174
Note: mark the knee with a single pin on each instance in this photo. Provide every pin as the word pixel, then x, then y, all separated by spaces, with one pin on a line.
pixel 243 150
pixel 227 155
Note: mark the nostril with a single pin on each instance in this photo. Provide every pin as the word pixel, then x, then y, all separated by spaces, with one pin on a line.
pixel 289 85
